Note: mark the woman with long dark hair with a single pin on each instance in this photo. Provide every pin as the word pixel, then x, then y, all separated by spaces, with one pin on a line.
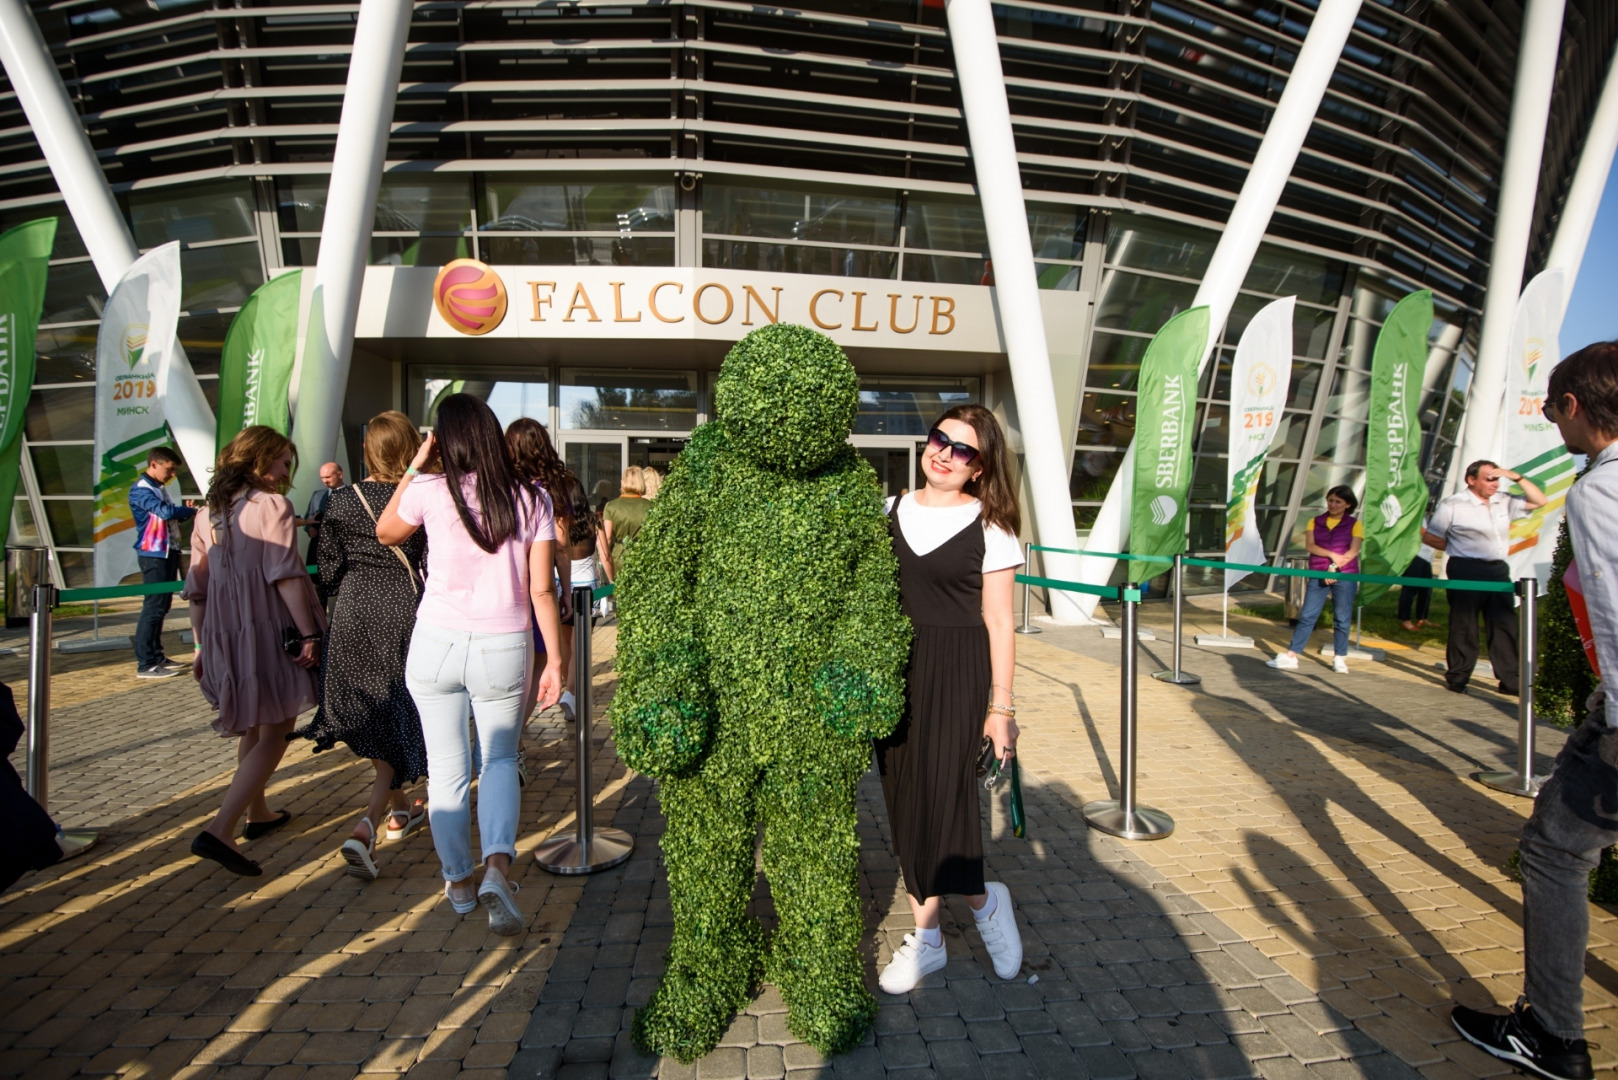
pixel 1333 540
pixel 536 462
pixel 251 599
pixel 956 541
pixel 374 589
pixel 490 537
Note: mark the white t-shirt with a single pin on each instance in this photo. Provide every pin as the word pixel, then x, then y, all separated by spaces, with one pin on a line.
pixel 927 528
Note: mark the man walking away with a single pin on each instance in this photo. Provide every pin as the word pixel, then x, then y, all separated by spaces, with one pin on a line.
pixel 1474 528
pixel 1575 815
pixel 157 546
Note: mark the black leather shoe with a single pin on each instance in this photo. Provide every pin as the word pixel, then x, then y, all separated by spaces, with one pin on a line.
pixel 1452 688
pixel 209 846
pixel 255 829
pixel 1517 1037
pixel 1510 691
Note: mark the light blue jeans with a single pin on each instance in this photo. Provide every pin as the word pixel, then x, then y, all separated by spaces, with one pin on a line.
pixel 451 673
pixel 1314 602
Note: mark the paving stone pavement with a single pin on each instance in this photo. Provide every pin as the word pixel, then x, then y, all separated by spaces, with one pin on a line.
pixel 1333 883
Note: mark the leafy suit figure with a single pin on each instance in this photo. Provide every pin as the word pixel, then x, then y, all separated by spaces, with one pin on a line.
pixel 761 648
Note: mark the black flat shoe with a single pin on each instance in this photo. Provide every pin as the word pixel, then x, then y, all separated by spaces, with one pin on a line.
pixel 209 846
pixel 255 829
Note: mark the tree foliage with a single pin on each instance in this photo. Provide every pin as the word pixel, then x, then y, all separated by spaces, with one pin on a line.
pixel 1562 677
pixel 761 648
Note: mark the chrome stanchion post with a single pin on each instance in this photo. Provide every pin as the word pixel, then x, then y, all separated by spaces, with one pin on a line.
pixel 587 849
pixel 1028 565
pixel 1521 780
pixel 71 841
pixel 1122 816
pixel 1178 677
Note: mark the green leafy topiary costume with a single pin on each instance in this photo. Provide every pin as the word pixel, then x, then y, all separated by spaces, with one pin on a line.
pixel 760 650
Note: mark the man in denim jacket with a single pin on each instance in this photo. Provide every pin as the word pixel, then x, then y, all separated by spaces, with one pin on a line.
pixel 157 544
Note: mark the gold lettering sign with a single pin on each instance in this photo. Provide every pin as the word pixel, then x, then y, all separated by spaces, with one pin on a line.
pixel 651 301
pixel 814 315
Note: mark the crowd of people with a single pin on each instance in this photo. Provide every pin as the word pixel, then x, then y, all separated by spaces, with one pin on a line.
pixel 447 571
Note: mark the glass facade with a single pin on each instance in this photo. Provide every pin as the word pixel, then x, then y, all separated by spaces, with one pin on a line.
pixel 710 135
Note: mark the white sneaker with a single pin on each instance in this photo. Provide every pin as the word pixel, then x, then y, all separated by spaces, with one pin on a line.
pixel 1340 665
pixel 499 897
pixel 914 959
pixel 1284 661
pixel 567 704
pixel 999 933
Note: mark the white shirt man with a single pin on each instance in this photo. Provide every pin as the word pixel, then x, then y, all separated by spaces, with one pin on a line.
pixel 1473 527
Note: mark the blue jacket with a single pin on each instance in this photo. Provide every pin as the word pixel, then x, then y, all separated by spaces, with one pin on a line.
pixel 154 512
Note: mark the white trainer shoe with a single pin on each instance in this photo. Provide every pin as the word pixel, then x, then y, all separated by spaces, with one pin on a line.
pixel 499 897
pixel 914 959
pixel 999 933
pixel 1340 665
pixel 1284 661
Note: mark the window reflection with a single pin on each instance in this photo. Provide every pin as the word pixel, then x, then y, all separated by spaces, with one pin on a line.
pixel 907 407
pixel 191 214
pixel 575 204
pixel 650 401
pixel 1106 420
pixel 828 214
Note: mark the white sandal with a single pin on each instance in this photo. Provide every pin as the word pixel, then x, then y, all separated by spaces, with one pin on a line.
pixel 361 857
pixel 413 819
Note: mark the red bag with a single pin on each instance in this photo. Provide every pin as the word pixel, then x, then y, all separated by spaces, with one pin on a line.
pixel 1581 614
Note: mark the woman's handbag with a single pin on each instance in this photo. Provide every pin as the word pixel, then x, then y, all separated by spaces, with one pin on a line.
pixel 988 768
pixel 292 641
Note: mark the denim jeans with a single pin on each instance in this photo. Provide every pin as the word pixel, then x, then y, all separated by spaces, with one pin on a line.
pixel 153 609
pixel 1574 818
pixel 1314 602
pixel 450 673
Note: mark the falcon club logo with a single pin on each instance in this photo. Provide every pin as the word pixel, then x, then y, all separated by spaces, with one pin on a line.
pixel 469 296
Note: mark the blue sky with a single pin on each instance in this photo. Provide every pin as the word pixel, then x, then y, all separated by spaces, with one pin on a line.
pixel 1592 315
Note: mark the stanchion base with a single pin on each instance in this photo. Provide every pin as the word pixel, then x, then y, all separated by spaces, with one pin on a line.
pixel 1224 641
pixel 1143 824
pixel 1114 633
pixel 1184 678
pixel 563 854
pixel 75 842
pixel 1029 630
pixel 1510 782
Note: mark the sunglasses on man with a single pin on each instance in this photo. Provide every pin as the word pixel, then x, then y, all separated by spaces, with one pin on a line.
pixel 965 453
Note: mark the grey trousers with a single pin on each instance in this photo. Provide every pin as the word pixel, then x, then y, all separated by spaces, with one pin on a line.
pixel 1575 816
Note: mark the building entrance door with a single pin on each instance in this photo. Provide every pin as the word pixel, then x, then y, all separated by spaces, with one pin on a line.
pixel 894 457
pixel 598 463
pixel 658 452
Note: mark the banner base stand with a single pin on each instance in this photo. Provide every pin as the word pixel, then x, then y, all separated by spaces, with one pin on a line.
pixel 106 644
pixel 1113 633
pixel 1355 653
pixel 1141 823
pixel 1224 641
pixel 1510 782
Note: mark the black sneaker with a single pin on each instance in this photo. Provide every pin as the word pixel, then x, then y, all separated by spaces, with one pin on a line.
pixel 158 672
pixel 1517 1037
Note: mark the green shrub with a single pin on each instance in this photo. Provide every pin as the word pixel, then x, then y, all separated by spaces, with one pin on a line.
pixel 761 647
pixel 1562 679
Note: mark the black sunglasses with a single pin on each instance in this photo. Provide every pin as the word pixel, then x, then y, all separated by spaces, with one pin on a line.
pixel 965 453
pixel 1549 409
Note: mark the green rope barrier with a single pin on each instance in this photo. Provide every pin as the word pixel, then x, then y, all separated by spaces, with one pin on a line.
pixel 1122 556
pixel 1370 579
pixel 1109 592
pixel 127 592
pixel 602 591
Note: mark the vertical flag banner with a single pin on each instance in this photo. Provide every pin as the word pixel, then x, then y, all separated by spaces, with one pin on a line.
pixel 25 254
pixel 132 364
pixel 1395 493
pixel 1259 378
pixel 1533 446
pixel 255 368
pixel 1164 414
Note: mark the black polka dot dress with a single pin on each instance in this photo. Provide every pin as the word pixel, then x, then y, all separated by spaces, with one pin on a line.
pixel 363 699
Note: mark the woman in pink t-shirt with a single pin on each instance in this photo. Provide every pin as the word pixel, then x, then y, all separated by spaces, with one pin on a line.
pixel 491 543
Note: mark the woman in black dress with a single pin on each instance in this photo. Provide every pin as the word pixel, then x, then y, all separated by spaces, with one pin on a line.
pixel 956 541
pixel 374 590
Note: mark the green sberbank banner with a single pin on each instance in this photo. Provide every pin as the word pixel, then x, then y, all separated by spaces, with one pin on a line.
pixel 1395 493
pixel 1165 412
pixel 25 255
pixel 255 368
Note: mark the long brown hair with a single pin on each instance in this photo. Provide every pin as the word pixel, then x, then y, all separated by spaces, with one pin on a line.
pixel 534 459
pixel 993 486
pixel 242 465
pixel 391 442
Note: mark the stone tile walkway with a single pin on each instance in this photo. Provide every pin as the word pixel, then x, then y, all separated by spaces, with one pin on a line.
pixel 1333 883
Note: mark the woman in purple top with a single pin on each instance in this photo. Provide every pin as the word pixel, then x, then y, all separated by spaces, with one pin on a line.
pixel 1333 540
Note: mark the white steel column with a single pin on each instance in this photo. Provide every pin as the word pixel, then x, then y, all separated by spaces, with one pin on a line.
pixel 1525 148
pixel 1584 195
pixel 1244 231
pixel 345 237
pixel 89 199
pixel 994 159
